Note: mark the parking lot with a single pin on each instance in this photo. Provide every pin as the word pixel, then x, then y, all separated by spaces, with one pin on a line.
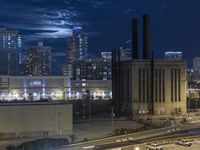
pixel 195 146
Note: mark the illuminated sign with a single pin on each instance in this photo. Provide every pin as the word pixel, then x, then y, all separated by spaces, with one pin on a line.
pixel 35 83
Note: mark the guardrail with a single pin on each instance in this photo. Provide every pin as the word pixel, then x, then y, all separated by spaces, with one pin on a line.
pixel 146 134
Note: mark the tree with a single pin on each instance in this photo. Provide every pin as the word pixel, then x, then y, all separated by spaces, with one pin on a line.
pixel 87 95
pixel 10 147
pixel 73 138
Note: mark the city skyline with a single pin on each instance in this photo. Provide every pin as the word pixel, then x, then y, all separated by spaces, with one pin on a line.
pixel 172 23
pixel 99 74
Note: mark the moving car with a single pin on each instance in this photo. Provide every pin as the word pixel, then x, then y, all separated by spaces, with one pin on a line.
pixel 130 139
pixel 154 146
pixel 183 142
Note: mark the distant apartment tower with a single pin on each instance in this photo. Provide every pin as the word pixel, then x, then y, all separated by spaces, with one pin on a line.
pixel 106 56
pixel 92 69
pixel 77 46
pixel 21 56
pixel 125 53
pixel 9 52
pixel 173 55
pixel 38 60
pixel 67 70
pixel 196 64
pixel 71 50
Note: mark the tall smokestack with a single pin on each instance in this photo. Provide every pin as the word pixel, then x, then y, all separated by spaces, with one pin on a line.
pixel 135 50
pixel 146 38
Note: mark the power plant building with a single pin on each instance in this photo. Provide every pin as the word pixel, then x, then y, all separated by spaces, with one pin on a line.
pixel 147 86
pixel 165 95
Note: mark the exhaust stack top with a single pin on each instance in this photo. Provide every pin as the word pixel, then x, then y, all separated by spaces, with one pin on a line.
pixel 135 49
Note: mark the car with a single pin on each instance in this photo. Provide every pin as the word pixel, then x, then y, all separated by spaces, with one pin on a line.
pixel 183 142
pixel 118 141
pixel 130 139
pixel 154 146
pixel 124 140
pixel 89 147
pixel 168 131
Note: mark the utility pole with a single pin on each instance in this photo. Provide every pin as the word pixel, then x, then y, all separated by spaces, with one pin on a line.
pixel 152 88
pixel 84 105
pixel 89 107
pixel 196 104
pixel 112 118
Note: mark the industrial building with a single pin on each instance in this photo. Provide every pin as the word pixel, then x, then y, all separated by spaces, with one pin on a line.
pixel 165 95
pixel 35 120
pixel 147 86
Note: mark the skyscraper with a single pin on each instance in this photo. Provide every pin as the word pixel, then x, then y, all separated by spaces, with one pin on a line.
pixel 71 50
pixel 9 52
pixel 92 69
pixel 106 56
pixel 38 60
pixel 196 64
pixel 77 46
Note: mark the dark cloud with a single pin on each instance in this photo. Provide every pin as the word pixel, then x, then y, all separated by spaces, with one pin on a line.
pixel 174 23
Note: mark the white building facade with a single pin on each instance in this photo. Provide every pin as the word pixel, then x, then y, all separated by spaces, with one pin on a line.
pixel 52 88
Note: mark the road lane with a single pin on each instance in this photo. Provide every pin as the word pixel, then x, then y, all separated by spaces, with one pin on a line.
pixel 136 136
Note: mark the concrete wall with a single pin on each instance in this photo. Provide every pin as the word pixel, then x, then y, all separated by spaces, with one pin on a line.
pixel 35 119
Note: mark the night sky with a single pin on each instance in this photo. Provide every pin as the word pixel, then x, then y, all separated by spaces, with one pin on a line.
pixel 175 24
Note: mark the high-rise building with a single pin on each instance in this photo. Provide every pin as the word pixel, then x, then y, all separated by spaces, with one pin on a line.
pixel 107 56
pixel 9 52
pixel 125 53
pixel 92 69
pixel 173 55
pixel 81 43
pixel 67 70
pixel 196 64
pixel 71 50
pixel 38 60
pixel 77 46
